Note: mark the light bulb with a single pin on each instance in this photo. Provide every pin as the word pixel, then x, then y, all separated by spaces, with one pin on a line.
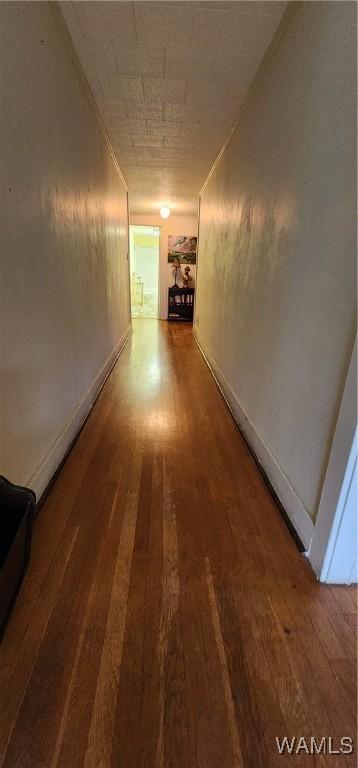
pixel 165 212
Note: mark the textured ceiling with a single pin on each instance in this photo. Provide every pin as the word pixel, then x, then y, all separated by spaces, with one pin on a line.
pixel 168 79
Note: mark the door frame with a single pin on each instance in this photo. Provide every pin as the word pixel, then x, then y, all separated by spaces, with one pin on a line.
pixel 335 510
pixel 146 226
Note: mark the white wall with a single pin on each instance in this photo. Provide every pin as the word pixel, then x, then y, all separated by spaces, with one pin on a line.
pixel 145 263
pixel 64 287
pixel 175 225
pixel 276 285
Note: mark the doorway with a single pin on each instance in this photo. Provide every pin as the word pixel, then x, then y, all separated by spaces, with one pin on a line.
pixel 144 271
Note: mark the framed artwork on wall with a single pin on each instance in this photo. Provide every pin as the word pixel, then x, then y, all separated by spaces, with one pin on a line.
pixel 182 247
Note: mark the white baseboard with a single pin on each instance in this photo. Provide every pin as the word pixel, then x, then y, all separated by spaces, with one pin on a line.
pixel 294 507
pixel 43 474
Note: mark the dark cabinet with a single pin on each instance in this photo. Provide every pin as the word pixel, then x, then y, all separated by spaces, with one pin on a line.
pixel 181 303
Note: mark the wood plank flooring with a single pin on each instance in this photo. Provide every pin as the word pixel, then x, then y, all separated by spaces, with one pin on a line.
pixel 167 619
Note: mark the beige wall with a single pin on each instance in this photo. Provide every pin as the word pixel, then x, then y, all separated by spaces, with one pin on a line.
pixel 175 225
pixel 64 287
pixel 277 270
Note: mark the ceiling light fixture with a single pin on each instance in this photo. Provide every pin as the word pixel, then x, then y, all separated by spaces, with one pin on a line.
pixel 165 212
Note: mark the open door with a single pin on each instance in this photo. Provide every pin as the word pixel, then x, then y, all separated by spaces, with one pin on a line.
pixel 144 270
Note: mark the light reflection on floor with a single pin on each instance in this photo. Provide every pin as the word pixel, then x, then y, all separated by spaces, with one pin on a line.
pixel 149 308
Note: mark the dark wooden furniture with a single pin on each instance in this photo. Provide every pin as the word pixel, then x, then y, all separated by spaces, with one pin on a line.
pixel 181 303
pixel 17 505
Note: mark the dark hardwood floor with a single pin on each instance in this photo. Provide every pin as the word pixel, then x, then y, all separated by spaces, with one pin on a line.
pixel 167 618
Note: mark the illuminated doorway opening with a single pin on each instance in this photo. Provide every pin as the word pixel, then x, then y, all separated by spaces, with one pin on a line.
pixel 144 269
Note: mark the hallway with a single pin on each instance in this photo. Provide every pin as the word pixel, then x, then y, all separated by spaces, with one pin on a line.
pixel 167 618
